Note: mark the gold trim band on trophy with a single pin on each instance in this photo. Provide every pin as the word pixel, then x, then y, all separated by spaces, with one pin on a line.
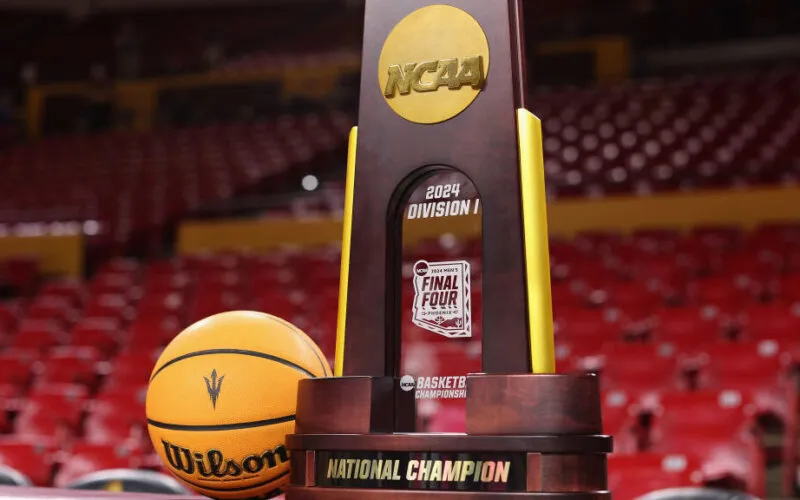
pixel 535 237
pixel 347 225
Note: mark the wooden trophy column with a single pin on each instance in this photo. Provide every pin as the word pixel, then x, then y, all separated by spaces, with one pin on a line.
pixel 443 88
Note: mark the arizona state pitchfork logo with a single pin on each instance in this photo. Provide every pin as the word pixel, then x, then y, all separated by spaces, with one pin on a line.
pixel 214 386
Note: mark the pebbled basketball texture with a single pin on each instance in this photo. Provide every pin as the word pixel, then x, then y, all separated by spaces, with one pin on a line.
pixel 222 399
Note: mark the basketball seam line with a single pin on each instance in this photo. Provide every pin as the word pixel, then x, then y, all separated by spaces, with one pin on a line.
pixel 244 352
pixel 220 427
pixel 302 336
pixel 242 488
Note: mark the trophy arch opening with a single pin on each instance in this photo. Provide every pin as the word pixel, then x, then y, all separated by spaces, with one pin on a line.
pixel 435 287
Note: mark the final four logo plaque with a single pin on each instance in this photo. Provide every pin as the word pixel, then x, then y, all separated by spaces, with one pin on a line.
pixel 442 298
pixel 444 149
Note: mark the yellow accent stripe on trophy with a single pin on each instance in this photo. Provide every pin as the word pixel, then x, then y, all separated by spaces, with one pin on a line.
pixel 344 273
pixel 537 253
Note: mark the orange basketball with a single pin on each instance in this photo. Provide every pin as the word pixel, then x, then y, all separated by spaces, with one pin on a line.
pixel 222 399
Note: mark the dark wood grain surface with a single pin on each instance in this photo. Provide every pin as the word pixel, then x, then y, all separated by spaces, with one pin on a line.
pixel 348 405
pixel 533 404
pixel 451 442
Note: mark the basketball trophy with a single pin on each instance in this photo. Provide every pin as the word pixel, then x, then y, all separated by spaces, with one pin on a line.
pixel 443 142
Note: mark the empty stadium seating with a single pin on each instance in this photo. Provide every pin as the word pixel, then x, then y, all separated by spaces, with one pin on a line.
pixel 597 142
pixel 716 425
pixel 631 476
pixel 686 133
pixel 669 367
pixel 121 185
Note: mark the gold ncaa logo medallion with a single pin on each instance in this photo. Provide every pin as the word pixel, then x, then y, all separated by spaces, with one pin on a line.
pixel 433 64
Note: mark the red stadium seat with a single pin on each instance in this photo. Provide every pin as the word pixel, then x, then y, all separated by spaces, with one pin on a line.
pixel 209 302
pixel 22 354
pixel 786 232
pixel 596 240
pixel 628 250
pixel 268 275
pixel 140 361
pixel 563 251
pixel 161 281
pixel 71 291
pixel 278 303
pixel 567 296
pixel 53 308
pixel 33 459
pixel 718 237
pixel 114 283
pixel 103 333
pixel 151 333
pixel 737 364
pixel 220 281
pixel 54 411
pixel 759 368
pixel 9 315
pixel 678 409
pixel 770 321
pixel 316 273
pixel 441 359
pixel 717 426
pixel 40 335
pixel 788 287
pixel 631 476
pixel 575 325
pixel 161 304
pixel 120 266
pixel 22 272
pixel 130 369
pixel 755 265
pixel 448 419
pixel 761 371
pixel 15 371
pixel 689 325
pixel 108 305
pixel 641 369
pixel 591 274
pixel 119 417
pixel 56 403
pixel 655 239
pixel 663 269
pixel 118 380
pixel 457 358
pixel 36 425
pixel 792 261
pixel 128 400
pixel 637 299
pixel 620 420
pixel 129 431
pixel 69 366
pixel 86 457
pixel 724 292
pixel 575 356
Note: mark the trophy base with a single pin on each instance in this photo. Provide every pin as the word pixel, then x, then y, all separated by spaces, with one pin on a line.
pixel 528 436
pixel 296 493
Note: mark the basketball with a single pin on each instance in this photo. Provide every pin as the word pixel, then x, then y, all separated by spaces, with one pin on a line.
pixel 222 399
